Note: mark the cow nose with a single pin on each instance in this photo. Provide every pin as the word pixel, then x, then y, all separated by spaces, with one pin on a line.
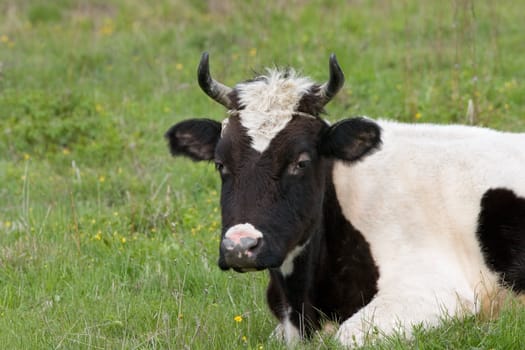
pixel 240 243
pixel 239 248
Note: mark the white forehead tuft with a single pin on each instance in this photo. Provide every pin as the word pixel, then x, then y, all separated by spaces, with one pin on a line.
pixel 269 103
pixel 279 90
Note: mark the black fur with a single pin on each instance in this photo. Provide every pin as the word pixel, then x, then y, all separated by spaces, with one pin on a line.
pixel 351 139
pixel 194 138
pixel 501 233
pixel 349 273
pixel 311 103
pixel 258 189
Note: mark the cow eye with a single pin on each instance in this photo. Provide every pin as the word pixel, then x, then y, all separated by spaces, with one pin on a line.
pixel 219 166
pixel 302 162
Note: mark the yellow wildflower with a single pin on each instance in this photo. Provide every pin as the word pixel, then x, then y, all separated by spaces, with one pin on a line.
pixel 244 339
pixel 101 178
pixel 26 156
pixel 417 115
pixel 179 66
pixel 238 318
pixel 98 236
pixel 107 29
pixel 123 240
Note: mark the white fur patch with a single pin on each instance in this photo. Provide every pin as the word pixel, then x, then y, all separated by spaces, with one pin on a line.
pixel 286 331
pixel 288 263
pixel 269 103
pixel 291 333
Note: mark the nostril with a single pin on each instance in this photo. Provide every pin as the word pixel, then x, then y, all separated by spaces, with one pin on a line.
pixel 228 244
pixel 249 242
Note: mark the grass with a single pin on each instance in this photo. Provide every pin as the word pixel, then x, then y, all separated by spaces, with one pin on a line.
pixel 106 242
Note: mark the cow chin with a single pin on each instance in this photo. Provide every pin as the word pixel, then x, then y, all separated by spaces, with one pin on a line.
pixel 256 265
pixel 243 269
pixel 225 267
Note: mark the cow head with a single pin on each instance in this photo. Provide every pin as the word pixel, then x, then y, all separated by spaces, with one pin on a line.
pixel 272 154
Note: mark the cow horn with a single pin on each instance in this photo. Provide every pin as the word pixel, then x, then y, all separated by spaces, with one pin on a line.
pixel 334 84
pixel 210 86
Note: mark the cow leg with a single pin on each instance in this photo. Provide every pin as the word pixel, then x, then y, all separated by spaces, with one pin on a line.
pixel 392 313
pixel 287 332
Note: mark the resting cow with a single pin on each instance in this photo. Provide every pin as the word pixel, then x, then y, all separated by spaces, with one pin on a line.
pixel 376 225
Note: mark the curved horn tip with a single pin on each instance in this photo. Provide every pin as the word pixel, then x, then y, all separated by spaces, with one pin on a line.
pixel 205 57
pixel 203 73
pixel 335 67
pixel 335 82
pixel 204 63
pixel 212 88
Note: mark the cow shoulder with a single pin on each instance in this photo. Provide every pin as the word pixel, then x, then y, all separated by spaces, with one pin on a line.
pixel 348 275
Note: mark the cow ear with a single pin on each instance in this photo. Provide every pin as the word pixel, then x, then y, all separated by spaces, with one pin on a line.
pixel 350 139
pixel 194 138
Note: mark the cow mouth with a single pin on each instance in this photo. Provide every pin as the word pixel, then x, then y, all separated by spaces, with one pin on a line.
pixel 223 265
pixel 253 266
pixel 245 269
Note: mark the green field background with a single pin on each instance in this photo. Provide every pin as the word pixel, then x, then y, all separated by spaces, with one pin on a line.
pixel 106 242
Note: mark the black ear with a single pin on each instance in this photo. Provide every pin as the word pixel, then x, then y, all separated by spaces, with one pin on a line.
pixel 194 138
pixel 350 139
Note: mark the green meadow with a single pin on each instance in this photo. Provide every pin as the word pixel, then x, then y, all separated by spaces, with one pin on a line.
pixel 107 242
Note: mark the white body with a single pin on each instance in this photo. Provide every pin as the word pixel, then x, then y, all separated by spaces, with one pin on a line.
pixel 416 201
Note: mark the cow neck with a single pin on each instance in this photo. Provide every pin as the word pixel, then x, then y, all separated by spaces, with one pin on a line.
pixel 296 289
pixel 333 277
pixel 296 293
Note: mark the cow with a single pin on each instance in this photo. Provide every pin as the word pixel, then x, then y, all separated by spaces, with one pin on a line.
pixel 377 225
